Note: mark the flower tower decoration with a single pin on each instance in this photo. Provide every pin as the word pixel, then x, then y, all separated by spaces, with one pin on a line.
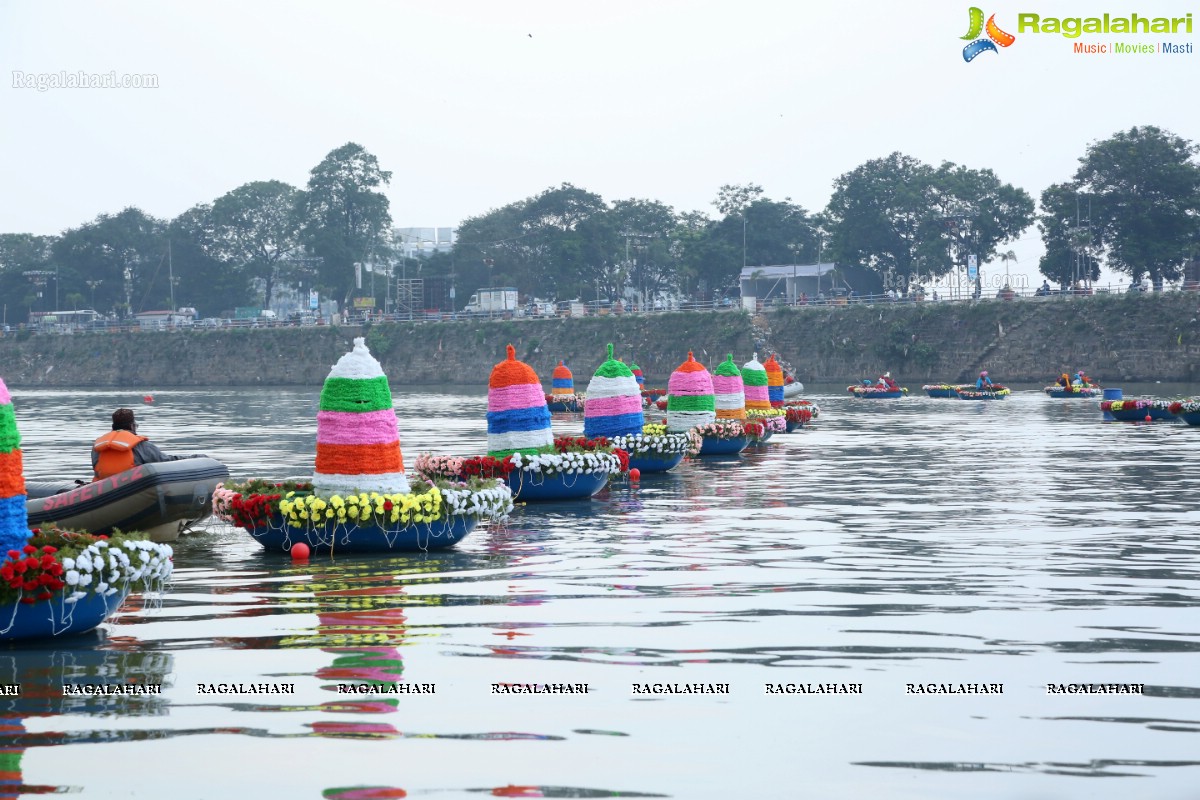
pixel 562 382
pixel 358 440
pixel 690 400
pixel 614 406
pixel 14 528
pixel 562 395
pixel 518 419
pixel 729 390
pixel 359 499
pixel 638 376
pixel 774 382
pixel 754 376
pixel 55 582
pixel 614 411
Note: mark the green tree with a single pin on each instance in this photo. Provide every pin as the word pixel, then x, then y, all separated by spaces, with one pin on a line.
pixel 1070 253
pixel 22 253
pixel 124 254
pixel 345 216
pixel 1145 189
pixel 255 228
pixel 903 218
pixel 212 287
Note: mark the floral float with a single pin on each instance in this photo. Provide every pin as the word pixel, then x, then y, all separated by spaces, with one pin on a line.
pixel 754 377
pixel 729 392
pixel 945 390
pixel 360 499
pixel 772 420
pixel 562 397
pixel 774 382
pixel 995 392
pixel 872 392
pixel 1187 410
pixel 615 413
pixel 691 403
pixel 519 426
pixel 1075 392
pixel 1144 409
pixel 799 414
pixel 55 582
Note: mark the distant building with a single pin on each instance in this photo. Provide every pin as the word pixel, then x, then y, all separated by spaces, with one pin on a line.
pixel 784 283
pixel 421 242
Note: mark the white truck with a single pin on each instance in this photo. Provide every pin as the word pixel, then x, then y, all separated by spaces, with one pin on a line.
pixel 493 301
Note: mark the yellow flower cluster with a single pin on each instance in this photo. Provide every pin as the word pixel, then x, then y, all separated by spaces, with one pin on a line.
pixel 651 429
pixel 765 412
pixel 363 508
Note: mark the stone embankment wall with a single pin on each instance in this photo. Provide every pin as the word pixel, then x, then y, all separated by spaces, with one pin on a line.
pixel 1117 338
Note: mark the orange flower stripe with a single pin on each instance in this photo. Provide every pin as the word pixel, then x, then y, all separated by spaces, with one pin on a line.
pixel 12 474
pixel 359 459
pixel 511 372
pixel 691 365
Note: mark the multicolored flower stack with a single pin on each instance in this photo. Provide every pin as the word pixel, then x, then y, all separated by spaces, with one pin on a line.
pixel 14 524
pixel 358 440
pixel 754 376
pixel 730 393
pixel 518 419
pixel 690 400
pixel 637 374
pixel 614 402
pixel 774 382
pixel 562 383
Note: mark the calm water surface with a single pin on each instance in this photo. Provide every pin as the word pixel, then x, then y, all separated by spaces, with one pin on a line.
pixel 896 542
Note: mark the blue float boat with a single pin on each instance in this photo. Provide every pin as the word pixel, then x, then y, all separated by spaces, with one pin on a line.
pixel 996 393
pixel 1133 410
pixel 348 537
pixel 528 485
pixel 560 407
pixel 1060 393
pixel 876 394
pixel 943 390
pixel 1191 418
pixel 724 447
pixel 648 464
pixel 55 617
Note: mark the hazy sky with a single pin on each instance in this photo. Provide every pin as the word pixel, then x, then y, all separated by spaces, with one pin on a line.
pixel 473 105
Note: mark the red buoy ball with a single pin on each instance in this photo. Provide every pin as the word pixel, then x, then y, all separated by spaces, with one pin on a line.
pixel 1148 418
pixel 148 398
pixel 635 474
pixel 300 551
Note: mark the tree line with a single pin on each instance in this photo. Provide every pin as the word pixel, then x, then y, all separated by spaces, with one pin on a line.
pixel 1132 204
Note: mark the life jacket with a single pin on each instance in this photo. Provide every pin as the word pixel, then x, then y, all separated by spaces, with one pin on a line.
pixel 115 453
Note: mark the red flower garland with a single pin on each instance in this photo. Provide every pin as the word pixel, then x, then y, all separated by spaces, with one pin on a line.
pixel 253 511
pixel 25 572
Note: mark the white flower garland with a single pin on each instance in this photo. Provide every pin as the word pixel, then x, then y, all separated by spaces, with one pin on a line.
pixel 107 570
pixel 667 444
pixel 567 463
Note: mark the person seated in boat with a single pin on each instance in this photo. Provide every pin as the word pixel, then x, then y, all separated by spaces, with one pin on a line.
pixel 984 383
pixel 886 382
pixel 1077 381
pixel 122 448
pixel 1064 381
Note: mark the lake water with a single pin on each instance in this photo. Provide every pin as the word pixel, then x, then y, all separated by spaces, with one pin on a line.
pixel 1018 543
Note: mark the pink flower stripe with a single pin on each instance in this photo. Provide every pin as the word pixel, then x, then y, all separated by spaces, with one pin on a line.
pixel 521 395
pixel 611 406
pixel 693 383
pixel 757 393
pixel 727 384
pixel 351 427
pixel 5 397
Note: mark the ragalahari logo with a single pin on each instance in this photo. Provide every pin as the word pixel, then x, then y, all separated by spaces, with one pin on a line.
pixel 995 36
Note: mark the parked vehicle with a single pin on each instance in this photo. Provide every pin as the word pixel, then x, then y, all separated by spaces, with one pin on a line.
pixel 493 301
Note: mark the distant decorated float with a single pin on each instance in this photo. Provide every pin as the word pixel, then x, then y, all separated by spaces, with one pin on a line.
pixel 1076 388
pixel 562 398
pixel 691 404
pixel 1145 409
pixel 543 467
pixel 800 413
pixel 945 390
pixel 1187 410
pixel 614 413
pixel 884 389
pixel 359 498
pixel 55 582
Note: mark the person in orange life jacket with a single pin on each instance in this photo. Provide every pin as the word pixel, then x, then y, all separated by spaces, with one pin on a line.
pixel 123 449
pixel 984 382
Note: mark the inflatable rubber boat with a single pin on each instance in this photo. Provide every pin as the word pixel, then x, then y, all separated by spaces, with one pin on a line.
pixel 160 499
